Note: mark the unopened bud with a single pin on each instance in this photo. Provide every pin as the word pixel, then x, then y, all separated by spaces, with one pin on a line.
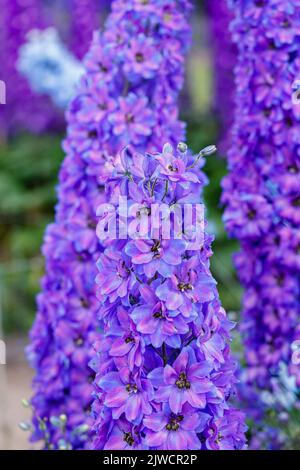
pixel 182 147
pixel 208 150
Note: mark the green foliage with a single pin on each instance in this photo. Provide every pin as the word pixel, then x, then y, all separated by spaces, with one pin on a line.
pixel 28 175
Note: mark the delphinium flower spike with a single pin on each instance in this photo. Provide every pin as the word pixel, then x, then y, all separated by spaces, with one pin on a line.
pixel 262 192
pixel 16 20
pixel 164 374
pixel 134 72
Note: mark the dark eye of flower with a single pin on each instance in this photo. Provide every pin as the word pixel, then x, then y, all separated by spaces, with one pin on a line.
pixel 251 214
pixel 133 300
pixel 129 339
pixel 93 134
pixel 103 68
pixel 102 106
pixel 84 303
pixel 260 3
pixel 183 287
pixel 78 341
pixel 128 438
pixel 131 388
pixel 139 57
pixel 296 202
pixel 129 117
pixel 289 121
pixel 182 381
pixel 172 168
pixel 91 224
pixel 285 24
pixel 280 279
pixel 173 424
pixel 155 248
pixel 293 168
pixel 158 314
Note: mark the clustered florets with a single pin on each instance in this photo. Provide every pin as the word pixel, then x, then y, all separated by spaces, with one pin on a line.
pixel 261 192
pixel 114 106
pixel 163 364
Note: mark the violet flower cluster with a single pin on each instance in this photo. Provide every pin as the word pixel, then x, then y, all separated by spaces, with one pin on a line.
pixel 224 53
pixel 134 72
pixel 262 192
pixel 164 374
pixel 16 20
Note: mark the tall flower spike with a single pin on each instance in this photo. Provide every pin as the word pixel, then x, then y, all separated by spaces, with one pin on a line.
pixel 164 374
pixel 116 104
pixel 261 192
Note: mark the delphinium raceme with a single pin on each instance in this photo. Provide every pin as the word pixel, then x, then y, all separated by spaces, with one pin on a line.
pixel 262 192
pixel 16 20
pixel 224 53
pixel 164 374
pixel 134 72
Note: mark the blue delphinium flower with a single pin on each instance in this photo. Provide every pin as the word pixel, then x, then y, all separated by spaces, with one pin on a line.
pixel 261 192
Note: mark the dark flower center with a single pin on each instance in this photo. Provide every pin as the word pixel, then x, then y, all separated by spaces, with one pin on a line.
pixel 184 286
pixel 131 388
pixel 128 438
pixel 78 341
pixel 173 424
pixel 267 112
pixel 172 168
pixel 102 106
pixel 84 303
pixel 285 23
pixel 139 57
pixel 280 280
pixel 129 339
pixel 103 68
pixel 156 249
pixel 93 134
pixel 158 314
pixel 182 381
pixel 289 121
pixel 251 214
pixel 293 168
pixel 296 202
pixel 129 118
pixel 122 270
